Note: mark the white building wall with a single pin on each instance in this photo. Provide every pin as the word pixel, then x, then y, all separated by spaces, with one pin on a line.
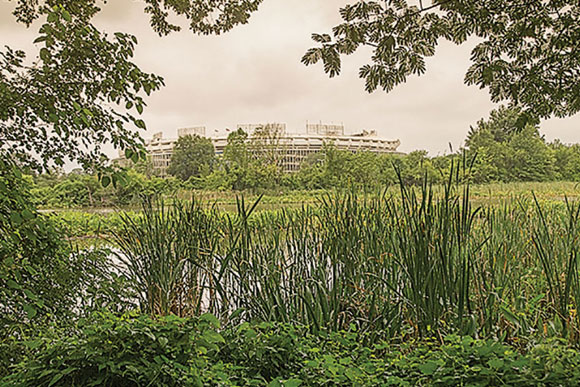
pixel 296 147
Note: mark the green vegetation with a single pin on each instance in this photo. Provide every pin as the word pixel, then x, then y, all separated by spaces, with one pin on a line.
pixel 82 223
pixel 418 286
pixel 422 257
pixel 130 350
pixel 411 287
pixel 496 150
pixel 193 156
pixel 524 53
pixel 50 113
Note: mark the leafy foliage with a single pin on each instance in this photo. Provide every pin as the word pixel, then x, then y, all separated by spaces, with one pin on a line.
pixel 75 98
pixel 249 162
pixel 193 156
pixel 205 16
pixel 129 351
pixel 502 152
pixel 135 350
pixel 526 54
pixel 43 279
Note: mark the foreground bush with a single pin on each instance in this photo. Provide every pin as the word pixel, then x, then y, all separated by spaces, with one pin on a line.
pixel 124 351
pixel 171 351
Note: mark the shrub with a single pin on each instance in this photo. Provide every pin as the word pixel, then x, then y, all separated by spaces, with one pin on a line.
pixel 263 351
pixel 135 350
pixel 131 350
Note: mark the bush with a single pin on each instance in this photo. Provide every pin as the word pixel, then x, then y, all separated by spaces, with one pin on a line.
pixel 263 351
pixel 133 350
pixel 122 351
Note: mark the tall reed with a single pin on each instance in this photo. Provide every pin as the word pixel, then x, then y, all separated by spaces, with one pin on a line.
pixel 557 241
pixel 167 253
pixel 423 261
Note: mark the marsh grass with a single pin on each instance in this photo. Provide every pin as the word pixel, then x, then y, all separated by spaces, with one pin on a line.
pixel 167 252
pixel 417 261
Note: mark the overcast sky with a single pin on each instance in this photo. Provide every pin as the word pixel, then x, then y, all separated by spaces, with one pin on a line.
pixel 253 74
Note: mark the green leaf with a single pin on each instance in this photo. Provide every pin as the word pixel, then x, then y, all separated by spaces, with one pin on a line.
pixel 13 285
pixel 17 172
pixel 495 363
pixel 52 17
pixel 213 337
pixel 163 341
pixel 105 181
pixel 33 344
pixel 210 318
pixel 30 310
pixel 39 39
pixel 44 54
pixel 128 153
pixel 140 124
pixel 292 383
pixel 27 214
pixel 55 379
pixel 428 368
pixel 30 295
pixel 15 218
pixel 508 314
pixel 66 16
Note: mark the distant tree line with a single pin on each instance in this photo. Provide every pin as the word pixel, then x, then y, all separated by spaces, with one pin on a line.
pixel 496 150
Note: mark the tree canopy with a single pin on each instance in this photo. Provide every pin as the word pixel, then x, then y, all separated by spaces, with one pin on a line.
pixel 83 90
pixel 192 156
pixel 504 153
pixel 527 52
pixel 204 16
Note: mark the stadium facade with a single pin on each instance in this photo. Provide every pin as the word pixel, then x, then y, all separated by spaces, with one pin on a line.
pixel 292 148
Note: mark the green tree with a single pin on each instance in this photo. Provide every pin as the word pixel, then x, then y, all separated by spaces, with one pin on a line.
pixel 337 166
pixel 526 53
pixel 252 162
pixel 84 91
pixel 501 125
pixel 267 144
pixel 506 153
pixel 193 156
pixel 236 158
pixel 77 190
pixel 415 166
pixel 80 94
pixel 310 174
pixel 532 159
pixel 236 152
pixel 567 160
